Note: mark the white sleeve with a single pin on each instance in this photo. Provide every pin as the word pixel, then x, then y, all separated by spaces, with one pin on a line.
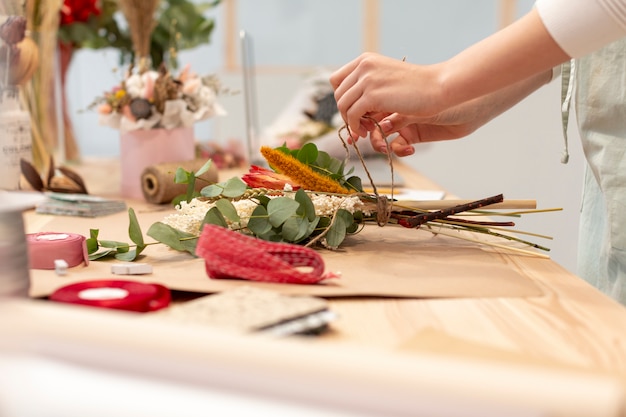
pixel 580 27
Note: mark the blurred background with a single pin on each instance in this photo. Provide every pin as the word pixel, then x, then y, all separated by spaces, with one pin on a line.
pixel 518 154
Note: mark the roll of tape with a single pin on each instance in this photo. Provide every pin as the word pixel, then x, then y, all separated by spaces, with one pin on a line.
pixel 115 294
pixel 157 181
pixel 46 247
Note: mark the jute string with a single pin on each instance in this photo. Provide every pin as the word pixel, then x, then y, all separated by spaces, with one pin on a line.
pixel 384 205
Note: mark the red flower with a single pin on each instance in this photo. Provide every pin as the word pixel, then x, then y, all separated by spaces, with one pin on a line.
pixel 74 11
pixel 259 177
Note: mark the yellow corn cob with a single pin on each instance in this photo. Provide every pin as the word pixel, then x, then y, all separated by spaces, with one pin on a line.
pixel 300 173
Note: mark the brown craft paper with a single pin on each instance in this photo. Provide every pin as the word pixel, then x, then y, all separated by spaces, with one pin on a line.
pixel 157 181
pixel 387 262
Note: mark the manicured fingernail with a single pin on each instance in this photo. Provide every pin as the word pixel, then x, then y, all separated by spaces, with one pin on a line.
pixel 409 151
pixel 385 125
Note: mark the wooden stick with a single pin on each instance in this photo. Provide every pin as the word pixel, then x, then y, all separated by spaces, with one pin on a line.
pixel 443 204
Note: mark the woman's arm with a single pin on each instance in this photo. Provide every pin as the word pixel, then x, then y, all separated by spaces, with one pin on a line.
pixel 373 84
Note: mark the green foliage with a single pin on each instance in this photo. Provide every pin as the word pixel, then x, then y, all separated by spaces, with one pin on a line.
pixel 181 24
pixel 325 164
pixel 98 249
pixel 279 219
pixel 189 177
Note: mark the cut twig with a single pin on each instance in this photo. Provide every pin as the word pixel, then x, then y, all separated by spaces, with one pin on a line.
pixel 420 219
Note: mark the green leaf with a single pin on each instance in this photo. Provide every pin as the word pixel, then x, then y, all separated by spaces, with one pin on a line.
pixel 212 191
pixel 113 244
pixel 165 234
pixel 204 168
pixel 102 254
pixel 336 234
pixel 92 241
pixel 308 153
pixel 355 183
pixel 214 216
pixel 295 229
pixel 227 209
pixel 280 209
pixel 323 159
pixel 127 256
pixel 234 187
pixel 182 176
pixel 134 230
pixel 259 222
pixel 312 226
pixel 345 216
pixel 191 188
pixel 306 208
pixel 174 238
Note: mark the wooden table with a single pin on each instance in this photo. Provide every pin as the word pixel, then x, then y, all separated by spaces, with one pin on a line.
pixel 569 343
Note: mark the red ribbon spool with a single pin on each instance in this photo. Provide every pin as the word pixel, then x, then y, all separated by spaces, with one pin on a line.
pixel 115 294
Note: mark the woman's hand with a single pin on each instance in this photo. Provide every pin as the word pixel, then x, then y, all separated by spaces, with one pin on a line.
pixel 373 83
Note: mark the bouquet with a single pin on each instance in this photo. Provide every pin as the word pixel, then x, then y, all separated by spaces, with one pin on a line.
pixel 305 200
pixel 157 99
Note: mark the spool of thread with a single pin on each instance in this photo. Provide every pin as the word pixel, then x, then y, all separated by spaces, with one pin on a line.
pixel 115 294
pixel 46 247
pixel 157 181
pixel 14 272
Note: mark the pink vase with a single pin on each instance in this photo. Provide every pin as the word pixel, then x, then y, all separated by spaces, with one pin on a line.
pixel 140 149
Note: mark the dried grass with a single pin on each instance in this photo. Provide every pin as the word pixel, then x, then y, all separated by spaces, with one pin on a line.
pixel 140 15
pixel 39 94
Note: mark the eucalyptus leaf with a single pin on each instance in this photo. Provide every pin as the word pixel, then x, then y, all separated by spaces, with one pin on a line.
pixel 335 166
pixel 174 238
pixel 295 229
pixel 134 230
pixel 113 244
pixel 307 153
pixel 355 183
pixel 345 216
pixel 259 222
pixel 312 226
pixel 166 234
pixel 204 168
pixel 307 208
pixel 101 254
pixel 234 188
pixel 323 159
pixel 191 188
pixel 214 216
pixel 92 241
pixel 127 256
pixel 336 234
pixel 228 210
pixel 181 176
pixel 280 209
pixel 212 191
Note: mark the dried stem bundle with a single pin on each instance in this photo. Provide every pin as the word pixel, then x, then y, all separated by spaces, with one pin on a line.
pixel 39 94
pixel 140 15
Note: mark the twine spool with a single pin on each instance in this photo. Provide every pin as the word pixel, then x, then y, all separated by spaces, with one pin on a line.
pixel 157 181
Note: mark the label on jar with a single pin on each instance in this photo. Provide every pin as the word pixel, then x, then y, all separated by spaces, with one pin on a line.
pixel 15 141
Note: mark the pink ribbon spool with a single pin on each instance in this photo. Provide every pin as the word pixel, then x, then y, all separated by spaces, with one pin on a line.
pixel 46 247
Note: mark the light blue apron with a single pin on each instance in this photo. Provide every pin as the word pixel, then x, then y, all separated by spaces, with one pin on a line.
pixel 600 102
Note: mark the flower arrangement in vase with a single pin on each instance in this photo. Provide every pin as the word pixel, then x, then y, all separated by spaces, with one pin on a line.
pixel 154 109
pixel 157 99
